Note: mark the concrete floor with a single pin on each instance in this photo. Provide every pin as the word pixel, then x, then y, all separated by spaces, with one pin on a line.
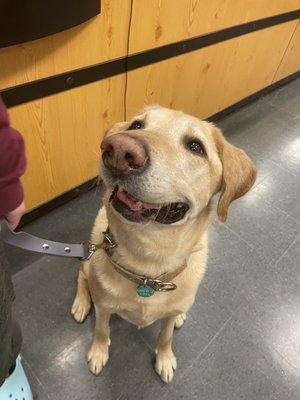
pixel 242 337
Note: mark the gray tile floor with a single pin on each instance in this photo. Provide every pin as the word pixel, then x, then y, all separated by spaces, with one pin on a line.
pixel 242 337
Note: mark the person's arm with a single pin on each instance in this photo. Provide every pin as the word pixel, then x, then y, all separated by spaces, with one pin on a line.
pixel 12 166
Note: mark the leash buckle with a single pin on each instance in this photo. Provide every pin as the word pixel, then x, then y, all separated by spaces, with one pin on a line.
pixel 89 250
pixel 160 286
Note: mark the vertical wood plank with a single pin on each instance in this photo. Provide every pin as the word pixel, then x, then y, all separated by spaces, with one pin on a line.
pixel 158 22
pixel 208 80
pixel 290 62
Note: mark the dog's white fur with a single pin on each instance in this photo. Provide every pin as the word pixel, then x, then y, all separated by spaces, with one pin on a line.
pixel 174 174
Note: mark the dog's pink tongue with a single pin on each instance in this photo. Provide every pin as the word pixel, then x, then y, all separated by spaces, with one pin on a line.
pixel 134 205
pixel 126 199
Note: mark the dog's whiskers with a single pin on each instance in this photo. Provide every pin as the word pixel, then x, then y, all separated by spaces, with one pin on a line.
pixel 167 212
pixel 158 211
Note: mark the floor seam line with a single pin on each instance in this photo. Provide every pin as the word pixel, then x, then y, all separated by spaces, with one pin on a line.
pixel 239 236
pixel 287 249
pixel 35 376
pixel 282 167
pixel 206 347
pixel 145 341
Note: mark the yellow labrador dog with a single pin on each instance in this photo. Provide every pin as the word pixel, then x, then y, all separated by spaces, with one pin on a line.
pixel 160 171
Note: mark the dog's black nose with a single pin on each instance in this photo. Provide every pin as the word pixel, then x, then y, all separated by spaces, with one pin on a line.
pixel 123 154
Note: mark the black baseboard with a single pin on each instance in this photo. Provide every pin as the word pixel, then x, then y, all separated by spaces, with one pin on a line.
pixel 254 96
pixel 86 186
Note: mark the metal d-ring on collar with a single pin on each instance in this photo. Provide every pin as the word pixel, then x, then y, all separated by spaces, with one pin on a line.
pixel 110 240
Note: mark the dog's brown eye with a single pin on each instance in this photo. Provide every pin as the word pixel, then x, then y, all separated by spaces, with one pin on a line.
pixel 136 125
pixel 195 146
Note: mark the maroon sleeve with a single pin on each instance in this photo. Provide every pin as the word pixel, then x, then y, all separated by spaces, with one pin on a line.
pixel 12 164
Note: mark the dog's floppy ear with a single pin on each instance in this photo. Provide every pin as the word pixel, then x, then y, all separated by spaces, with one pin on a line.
pixel 239 173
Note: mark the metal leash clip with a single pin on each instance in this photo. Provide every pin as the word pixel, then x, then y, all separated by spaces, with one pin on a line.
pixel 89 250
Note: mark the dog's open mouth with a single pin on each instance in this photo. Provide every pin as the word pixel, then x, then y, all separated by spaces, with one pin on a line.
pixel 139 211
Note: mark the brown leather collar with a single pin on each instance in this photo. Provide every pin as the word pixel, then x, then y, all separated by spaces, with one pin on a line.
pixel 161 283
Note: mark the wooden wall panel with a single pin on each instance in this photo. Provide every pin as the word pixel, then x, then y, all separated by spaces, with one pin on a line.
pixel 291 60
pixel 208 80
pixel 99 39
pixel 158 22
pixel 63 134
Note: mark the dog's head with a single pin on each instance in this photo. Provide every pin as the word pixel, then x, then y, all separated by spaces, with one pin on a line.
pixel 164 167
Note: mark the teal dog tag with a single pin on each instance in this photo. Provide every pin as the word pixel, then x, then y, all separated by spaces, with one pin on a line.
pixel 145 291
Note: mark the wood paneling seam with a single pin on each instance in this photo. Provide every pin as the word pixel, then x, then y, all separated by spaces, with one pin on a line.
pixel 285 51
pixel 126 65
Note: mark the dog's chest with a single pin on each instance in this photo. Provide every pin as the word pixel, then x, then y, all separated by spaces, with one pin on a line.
pixel 143 312
pixel 119 296
pixel 138 310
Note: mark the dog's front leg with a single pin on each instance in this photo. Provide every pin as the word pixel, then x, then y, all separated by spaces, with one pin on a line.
pixel 98 353
pixel 165 363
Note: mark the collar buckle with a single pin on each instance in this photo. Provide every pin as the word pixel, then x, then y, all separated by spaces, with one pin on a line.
pixel 160 286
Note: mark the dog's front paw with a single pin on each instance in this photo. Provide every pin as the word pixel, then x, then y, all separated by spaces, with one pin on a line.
pixel 80 308
pixel 97 358
pixel 165 365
